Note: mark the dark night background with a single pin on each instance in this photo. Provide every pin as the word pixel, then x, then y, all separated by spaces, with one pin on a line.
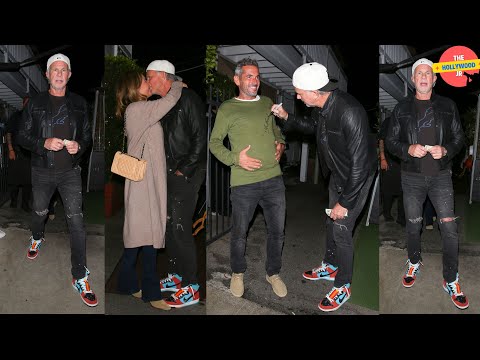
pixel 188 59
pixel 87 62
pixel 360 64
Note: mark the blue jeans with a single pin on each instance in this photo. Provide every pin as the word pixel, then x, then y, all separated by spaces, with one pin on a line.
pixel 127 279
pixel 439 189
pixel 270 195
pixel 339 246
pixel 69 185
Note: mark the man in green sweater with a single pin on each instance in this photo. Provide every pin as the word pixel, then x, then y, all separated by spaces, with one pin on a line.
pixel 257 145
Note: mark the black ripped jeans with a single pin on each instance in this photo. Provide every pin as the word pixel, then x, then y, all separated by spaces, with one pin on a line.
pixel 69 185
pixel 439 189
pixel 180 243
pixel 339 244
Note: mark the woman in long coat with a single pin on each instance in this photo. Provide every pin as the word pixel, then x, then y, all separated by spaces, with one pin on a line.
pixel 145 200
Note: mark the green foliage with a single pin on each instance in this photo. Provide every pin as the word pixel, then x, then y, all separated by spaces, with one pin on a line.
pixel 223 86
pixel 210 63
pixel 114 67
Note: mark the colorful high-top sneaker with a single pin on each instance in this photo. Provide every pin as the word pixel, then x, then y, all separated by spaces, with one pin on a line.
pixel 411 274
pixel 458 297
pixel 83 288
pixel 325 271
pixel 186 296
pixel 32 252
pixel 173 282
pixel 335 298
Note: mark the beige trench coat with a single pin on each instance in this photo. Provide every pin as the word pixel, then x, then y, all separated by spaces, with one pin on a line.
pixel 146 200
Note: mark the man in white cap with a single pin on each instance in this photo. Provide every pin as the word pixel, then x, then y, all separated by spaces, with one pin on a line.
pixel 425 133
pixel 185 134
pixel 56 129
pixel 340 125
pixel 256 177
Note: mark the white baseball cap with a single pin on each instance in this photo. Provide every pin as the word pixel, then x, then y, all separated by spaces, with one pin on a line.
pixel 422 61
pixel 163 65
pixel 58 57
pixel 313 76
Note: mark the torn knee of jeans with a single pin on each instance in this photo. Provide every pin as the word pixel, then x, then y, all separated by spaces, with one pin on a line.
pixel 69 216
pixel 42 212
pixel 417 220
pixel 341 226
pixel 448 219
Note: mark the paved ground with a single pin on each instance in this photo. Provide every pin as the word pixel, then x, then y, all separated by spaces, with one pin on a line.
pixel 303 250
pixel 427 295
pixel 43 285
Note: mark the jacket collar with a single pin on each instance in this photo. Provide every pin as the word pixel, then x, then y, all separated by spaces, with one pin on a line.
pixel 329 103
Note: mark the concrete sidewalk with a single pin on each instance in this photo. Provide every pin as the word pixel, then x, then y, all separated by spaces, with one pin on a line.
pixel 426 296
pixel 304 249
pixel 44 285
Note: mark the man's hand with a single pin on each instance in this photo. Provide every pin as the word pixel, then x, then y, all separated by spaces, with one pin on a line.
pixel 279 149
pixel 338 212
pixel 11 154
pixel 384 164
pixel 438 152
pixel 53 144
pixel 247 162
pixel 72 146
pixel 279 111
pixel 417 150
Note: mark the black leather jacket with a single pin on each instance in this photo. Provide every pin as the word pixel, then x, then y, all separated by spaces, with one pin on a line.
pixel 403 131
pixel 36 127
pixel 185 135
pixel 348 151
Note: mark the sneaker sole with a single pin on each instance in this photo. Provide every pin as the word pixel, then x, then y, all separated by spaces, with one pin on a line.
pixel 193 302
pixel 320 278
pixel 335 309
pixel 458 306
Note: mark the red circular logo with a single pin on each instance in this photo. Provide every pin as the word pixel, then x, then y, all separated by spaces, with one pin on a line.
pixel 458 78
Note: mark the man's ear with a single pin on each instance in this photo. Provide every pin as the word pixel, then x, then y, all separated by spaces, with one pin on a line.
pixel 236 80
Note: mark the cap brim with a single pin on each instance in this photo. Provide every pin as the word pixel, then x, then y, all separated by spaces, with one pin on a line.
pixel 332 85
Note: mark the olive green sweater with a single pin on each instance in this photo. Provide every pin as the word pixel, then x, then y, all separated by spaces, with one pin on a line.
pixel 247 123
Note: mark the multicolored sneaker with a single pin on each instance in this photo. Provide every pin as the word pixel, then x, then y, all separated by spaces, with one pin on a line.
pixel 458 297
pixel 83 288
pixel 411 274
pixel 335 298
pixel 325 271
pixel 173 282
pixel 186 296
pixel 32 252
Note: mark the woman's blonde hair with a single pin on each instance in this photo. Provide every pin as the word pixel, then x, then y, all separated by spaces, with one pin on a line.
pixel 128 86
